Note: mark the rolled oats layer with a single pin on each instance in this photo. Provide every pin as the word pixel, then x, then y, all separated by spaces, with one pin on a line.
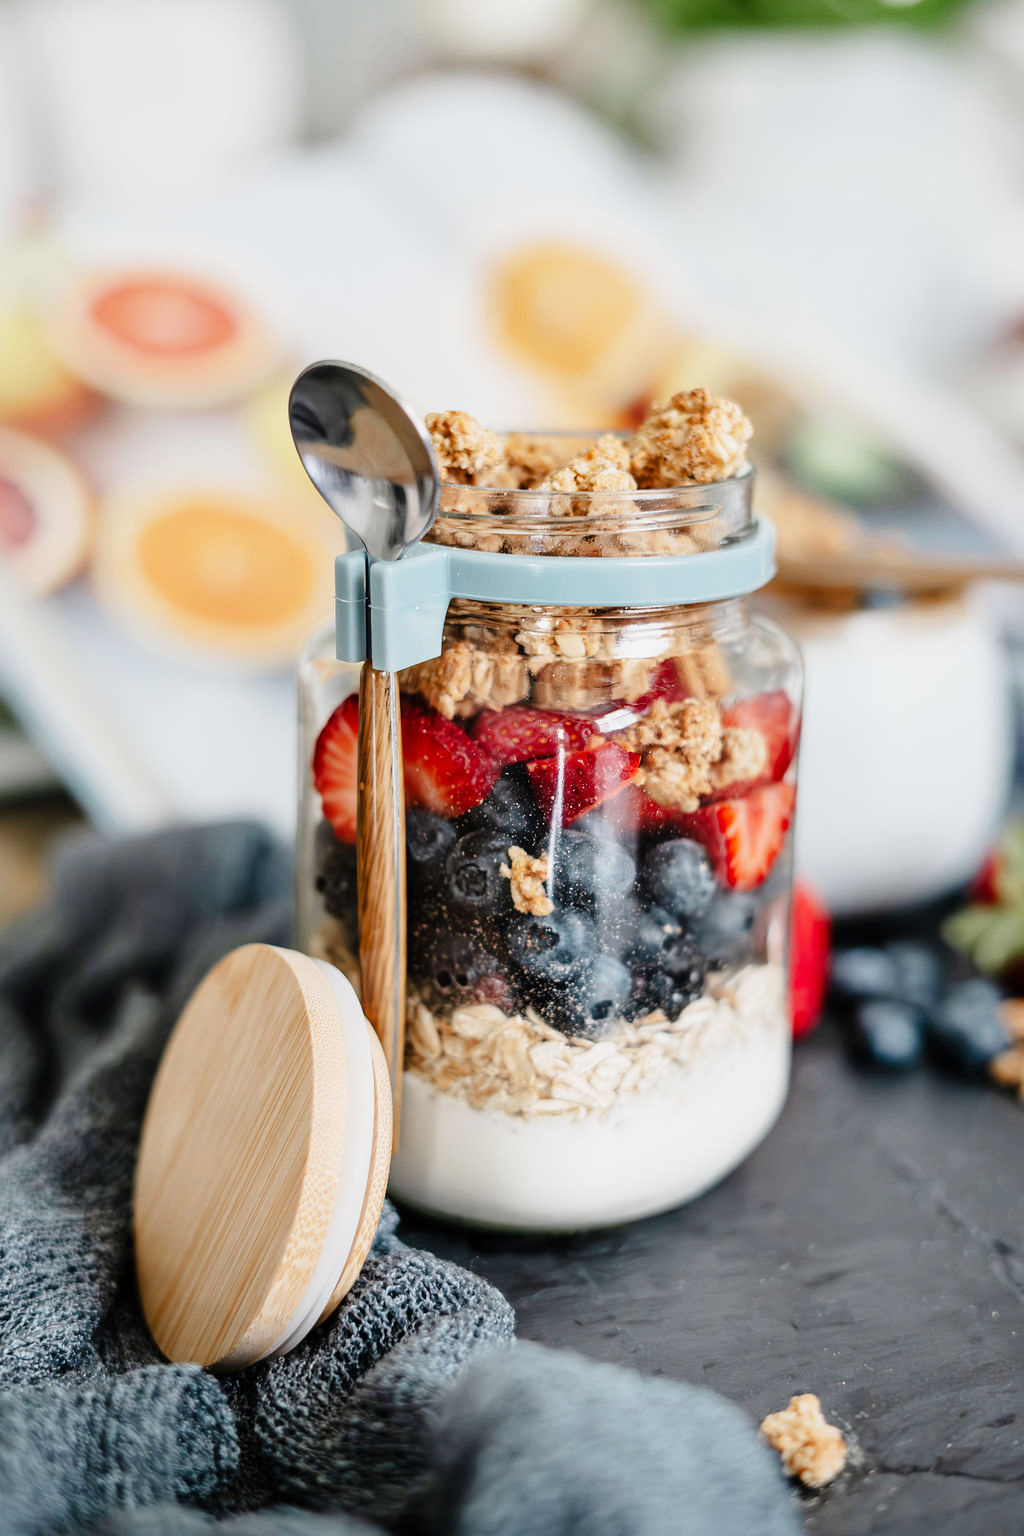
pixel 518 1064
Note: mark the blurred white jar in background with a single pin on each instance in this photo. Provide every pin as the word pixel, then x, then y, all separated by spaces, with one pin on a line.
pixel 907 751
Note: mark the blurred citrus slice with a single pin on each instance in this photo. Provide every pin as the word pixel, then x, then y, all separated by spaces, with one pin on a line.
pixel 577 318
pixel 37 393
pixel 46 513
pixel 161 338
pixel 216 572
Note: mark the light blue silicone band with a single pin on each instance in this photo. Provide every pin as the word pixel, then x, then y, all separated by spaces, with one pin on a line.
pixel 409 598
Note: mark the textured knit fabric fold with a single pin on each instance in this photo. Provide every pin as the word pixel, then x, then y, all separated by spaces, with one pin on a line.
pixel 408 1408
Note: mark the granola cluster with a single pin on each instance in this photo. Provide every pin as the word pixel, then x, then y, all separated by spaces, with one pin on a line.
pixel 466 678
pixel 466 452
pixel 811 1448
pixel 604 467
pixel 518 1064
pixel 527 879
pixel 687 753
pixel 691 439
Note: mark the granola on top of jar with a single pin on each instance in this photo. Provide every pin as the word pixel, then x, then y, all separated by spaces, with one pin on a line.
pixel 465 450
pixel 691 438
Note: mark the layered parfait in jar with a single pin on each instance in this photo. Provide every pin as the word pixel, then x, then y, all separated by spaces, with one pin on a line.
pixel 598 813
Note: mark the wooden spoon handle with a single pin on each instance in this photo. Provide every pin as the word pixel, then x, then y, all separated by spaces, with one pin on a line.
pixel 381 868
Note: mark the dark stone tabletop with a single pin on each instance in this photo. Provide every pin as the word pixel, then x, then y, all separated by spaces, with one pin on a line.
pixel 871 1251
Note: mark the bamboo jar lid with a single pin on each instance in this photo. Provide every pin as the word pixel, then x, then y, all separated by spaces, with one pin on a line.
pixel 263 1162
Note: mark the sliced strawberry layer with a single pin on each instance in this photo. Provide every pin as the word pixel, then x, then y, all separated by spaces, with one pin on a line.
pixel 444 770
pixel 335 768
pixel 575 783
pixel 516 734
pixel 774 715
pixel 744 836
pixel 665 684
pixel 810 933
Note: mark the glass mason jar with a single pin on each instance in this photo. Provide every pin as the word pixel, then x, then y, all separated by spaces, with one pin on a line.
pixel 598 812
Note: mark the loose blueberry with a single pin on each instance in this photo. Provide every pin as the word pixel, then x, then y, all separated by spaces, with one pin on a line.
pixel 863 973
pixel 965 1028
pixel 888 1034
pixel 510 808
pixel 559 947
pixel 590 872
pixel 724 931
pixel 919 973
pixel 428 838
pixel 336 874
pixel 677 875
pixel 473 882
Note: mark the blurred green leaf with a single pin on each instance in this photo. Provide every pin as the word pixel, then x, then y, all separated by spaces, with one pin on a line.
pixel 692 15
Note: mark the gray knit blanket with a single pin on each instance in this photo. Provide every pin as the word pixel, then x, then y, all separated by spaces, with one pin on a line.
pixel 409 1410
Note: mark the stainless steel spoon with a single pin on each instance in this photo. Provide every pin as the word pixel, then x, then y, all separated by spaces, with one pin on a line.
pixel 372 461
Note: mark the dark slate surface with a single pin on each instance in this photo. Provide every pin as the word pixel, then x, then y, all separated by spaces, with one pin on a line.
pixel 871 1251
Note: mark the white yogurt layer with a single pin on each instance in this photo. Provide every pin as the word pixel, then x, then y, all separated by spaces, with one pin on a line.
pixel 654 1148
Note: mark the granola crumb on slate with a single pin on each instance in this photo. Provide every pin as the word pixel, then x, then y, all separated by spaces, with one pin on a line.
pixel 465 450
pixel 811 1448
pixel 691 438
pixel 527 879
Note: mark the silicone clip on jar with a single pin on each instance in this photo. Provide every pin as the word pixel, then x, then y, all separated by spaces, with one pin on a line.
pixel 600 743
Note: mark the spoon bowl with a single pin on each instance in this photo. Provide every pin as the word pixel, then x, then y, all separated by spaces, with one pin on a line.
pixel 368 455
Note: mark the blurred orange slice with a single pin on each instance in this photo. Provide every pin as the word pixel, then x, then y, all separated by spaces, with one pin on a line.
pixel 46 513
pixel 215 572
pixel 578 319
pixel 161 338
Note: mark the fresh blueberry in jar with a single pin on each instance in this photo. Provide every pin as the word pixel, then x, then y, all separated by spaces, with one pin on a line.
pixel 560 947
pixel 670 993
pixel 677 875
pixel 473 882
pixel 965 1028
pixel 590 1002
pixel 656 941
pixel 428 837
pixel 455 969
pixel 606 991
pixel 724 932
pixel 887 1034
pixel 510 809
pixel 336 874
pixel 863 973
pixel 590 871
